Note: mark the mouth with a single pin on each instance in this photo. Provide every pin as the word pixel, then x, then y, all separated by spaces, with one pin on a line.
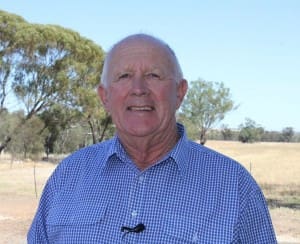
pixel 140 108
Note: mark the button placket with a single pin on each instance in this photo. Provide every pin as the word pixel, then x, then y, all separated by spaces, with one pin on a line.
pixel 136 198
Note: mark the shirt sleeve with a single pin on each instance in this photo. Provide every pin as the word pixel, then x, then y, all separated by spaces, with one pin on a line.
pixel 255 225
pixel 37 232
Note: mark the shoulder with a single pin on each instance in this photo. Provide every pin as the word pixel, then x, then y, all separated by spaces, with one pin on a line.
pixel 225 175
pixel 219 167
pixel 89 154
pixel 210 158
pixel 82 161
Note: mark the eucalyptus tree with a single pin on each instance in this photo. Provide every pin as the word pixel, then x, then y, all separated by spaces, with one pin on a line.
pixel 51 66
pixel 206 104
pixel 60 67
pixel 55 65
pixel 10 24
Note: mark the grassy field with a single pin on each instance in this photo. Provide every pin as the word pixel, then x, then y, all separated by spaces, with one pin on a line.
pixel 275 166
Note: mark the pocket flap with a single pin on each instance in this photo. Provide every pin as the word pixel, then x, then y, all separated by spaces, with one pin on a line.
pixel 84 213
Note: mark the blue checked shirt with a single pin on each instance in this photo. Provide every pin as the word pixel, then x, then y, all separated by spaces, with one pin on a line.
pixel 192 195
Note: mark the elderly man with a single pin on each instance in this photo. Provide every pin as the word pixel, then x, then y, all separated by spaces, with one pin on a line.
pixel 149 183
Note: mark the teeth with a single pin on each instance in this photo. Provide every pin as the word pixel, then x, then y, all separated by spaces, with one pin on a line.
pixel 141 108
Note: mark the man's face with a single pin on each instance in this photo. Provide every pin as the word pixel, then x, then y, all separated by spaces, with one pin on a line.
pixel 141 94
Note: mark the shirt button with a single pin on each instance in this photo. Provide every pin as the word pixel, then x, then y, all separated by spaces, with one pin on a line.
pixel 141 179
pixel 134 213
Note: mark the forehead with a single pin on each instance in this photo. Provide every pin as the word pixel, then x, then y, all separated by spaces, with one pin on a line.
pixel 140 52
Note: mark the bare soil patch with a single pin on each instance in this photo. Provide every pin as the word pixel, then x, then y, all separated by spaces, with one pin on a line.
pixel 15 218
pixel 18 201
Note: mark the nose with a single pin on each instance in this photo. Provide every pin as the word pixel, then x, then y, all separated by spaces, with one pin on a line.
pixel 139 87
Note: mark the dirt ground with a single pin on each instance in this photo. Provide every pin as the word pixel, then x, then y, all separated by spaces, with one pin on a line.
pixel 15 218
pixel 18 205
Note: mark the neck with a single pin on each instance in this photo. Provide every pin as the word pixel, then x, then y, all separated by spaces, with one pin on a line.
pixel 145 152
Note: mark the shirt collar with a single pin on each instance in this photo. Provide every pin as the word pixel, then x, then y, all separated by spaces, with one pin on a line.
pixel 180 152
pixel 115 148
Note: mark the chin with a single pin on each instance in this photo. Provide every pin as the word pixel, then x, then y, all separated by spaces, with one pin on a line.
pixel 141 130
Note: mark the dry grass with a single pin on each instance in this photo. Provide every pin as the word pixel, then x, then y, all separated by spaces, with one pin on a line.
pixel 18 202
pixel 18 179
pixel 270 163
pixel 275 166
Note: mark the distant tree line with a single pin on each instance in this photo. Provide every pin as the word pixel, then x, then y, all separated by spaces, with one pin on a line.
pixel 45 133
pixel 250 132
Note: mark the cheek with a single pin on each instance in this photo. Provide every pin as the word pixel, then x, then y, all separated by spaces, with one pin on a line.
pixel 115 99
pixel 169 96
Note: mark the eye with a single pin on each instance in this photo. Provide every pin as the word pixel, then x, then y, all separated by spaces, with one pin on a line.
pixel 153 76
pixel 124 76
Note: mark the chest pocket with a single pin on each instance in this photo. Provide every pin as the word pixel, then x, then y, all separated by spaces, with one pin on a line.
pixel 179 229
pixel 76 223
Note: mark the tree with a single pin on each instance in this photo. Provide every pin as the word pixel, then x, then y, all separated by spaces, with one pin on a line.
pixel 56 119
pixel 71 139
pixel 10 24
pixel 28 140
pixel 250 131
pixel 52 66
pixel 268 136
pixel 287 134
pixel 226 133
pixel 7 124
pixel 206 104
pixel 191 128
pixel 93 113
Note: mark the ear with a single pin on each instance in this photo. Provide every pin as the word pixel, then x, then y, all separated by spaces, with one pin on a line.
pixel 102 93
pixel 182 87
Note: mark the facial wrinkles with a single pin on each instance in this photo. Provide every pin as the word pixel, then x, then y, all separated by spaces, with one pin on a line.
pixel 142 71
pixel 141 60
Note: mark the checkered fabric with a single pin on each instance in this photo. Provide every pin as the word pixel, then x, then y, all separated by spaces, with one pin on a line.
pixel 192 195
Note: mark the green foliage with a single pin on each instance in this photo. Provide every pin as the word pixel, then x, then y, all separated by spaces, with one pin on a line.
pixel 250 131
pixel 51 64
pixel 9 25
pixel 227 133
pixel 7 124
pixel 54 64
pixel 287 134
pixel 28 140
pixel 56 120
pixel 206 104
pixel 71 139
pixel 191 129
pixel 55 72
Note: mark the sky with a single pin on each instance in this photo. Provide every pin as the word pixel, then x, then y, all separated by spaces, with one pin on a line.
pixel 252 46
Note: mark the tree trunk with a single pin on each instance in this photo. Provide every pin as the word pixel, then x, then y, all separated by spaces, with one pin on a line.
pixel 107 122
pixel 92 130
pixel 203 137
pixel 5 143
